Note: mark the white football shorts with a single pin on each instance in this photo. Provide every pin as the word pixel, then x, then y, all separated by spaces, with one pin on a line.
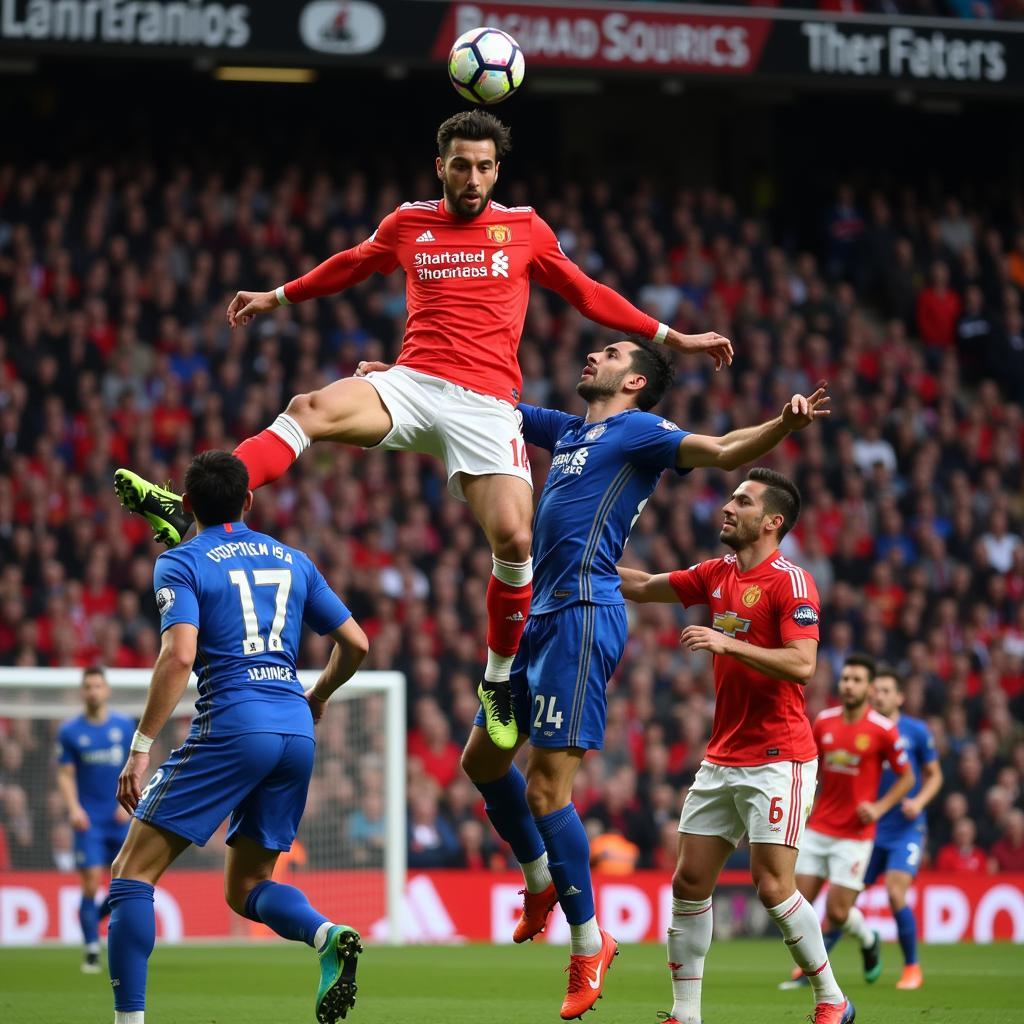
pixel 767 802
pixel 470 433
pixel 842 861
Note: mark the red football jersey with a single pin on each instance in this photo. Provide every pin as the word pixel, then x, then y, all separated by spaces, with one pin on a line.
pixel 757 719
pixel 467 288
pixel 851 757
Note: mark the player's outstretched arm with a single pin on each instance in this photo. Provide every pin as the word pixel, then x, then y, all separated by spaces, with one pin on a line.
pixel 170 677
pixel 644 588
pixel 795 662
pixel 738 447
pixel 350 647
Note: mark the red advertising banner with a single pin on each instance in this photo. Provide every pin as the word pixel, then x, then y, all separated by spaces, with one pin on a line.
pixel 454 906
pixel 627 38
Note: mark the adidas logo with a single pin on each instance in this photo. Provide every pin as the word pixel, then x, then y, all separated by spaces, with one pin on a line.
pixel 426 237
pixel 571 891
pixel 717 592
pixel 517 617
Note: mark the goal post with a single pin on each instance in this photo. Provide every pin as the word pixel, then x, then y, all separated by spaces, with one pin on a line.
pixel 360 763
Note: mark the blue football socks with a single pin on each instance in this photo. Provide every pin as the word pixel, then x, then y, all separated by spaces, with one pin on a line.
pixel 89 918
pixel 906 931
pixel 506 806
pixel 130 942
pixel 569 862
pixel 285 909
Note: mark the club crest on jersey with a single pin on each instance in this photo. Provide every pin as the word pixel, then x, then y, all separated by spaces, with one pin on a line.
pixel 730 623
pixel 498 233
pixel 164 599
pixel 862 742
pixel 751 595
pixel 667 425
pixel 595 432
pixel 805 615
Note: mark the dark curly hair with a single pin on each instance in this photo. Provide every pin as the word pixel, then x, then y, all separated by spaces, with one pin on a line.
pixel 474 125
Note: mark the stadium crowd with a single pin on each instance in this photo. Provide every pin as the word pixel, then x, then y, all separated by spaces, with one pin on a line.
pixel 114 350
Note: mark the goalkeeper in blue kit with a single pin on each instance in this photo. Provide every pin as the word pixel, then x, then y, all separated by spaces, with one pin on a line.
pixel 232 601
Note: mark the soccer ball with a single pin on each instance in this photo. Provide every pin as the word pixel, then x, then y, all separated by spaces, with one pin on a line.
pixel 486 65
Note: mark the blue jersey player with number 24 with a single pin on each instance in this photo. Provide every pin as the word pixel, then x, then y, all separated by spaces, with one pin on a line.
pixel 605 466
pixel 235 600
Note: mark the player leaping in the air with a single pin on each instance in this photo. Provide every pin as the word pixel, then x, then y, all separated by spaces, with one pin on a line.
pixel 757 776
pixel 237 599
pixel 854 743
pixel 468 263
pixel 605 466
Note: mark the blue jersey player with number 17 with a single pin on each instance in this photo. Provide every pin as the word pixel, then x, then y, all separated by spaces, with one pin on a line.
pixel 606 465
pixel 901 835
pixel 236 600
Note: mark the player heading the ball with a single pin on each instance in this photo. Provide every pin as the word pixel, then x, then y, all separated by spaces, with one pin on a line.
pixel 468 263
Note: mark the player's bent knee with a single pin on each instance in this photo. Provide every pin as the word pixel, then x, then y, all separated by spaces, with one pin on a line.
pixel 772 891
pixel 512 544
pixel 302 409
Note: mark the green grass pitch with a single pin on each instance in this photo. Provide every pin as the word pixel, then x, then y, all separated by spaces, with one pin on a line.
pixel 275 984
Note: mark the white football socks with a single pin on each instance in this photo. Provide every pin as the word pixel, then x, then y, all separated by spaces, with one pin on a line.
pixel 321 936
pixel 689 939
pixel 801 931
pixel 585 939
pixel 857 927
pixel 536 873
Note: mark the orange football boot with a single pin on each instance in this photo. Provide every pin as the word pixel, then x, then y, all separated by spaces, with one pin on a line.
pixel 586 978
pixel 536 907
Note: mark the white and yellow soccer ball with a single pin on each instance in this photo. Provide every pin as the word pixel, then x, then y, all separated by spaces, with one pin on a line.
pixel 486 65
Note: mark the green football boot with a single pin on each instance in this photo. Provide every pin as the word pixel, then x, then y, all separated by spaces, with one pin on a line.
pixel 160 507
pixel 496 699
pixel 337 992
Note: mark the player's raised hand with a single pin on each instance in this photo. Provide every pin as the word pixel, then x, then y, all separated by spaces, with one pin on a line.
pixel 129 782
pixel 370 366
pixel 245 305
pixel 704 638
pixel 714 344
pixel 801 412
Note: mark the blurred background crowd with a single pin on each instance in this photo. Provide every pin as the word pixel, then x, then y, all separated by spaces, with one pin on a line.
pixel 114 350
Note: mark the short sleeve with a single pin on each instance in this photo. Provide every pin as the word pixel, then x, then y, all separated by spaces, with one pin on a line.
pixel 653 442
pixel 324 610
pixel 895 752
pixel 544 427
pixel 798 606
pixel 66 753
pixel 177 595
pixel 690 584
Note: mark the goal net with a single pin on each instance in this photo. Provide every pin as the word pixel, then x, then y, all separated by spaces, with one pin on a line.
pixel 349 858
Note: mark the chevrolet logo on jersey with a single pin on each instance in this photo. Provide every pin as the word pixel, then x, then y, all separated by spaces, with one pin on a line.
pixel 842 759
pixel 730 623
pixel 498 233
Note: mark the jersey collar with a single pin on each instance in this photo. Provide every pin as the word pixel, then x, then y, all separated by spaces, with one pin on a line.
pixel 229 529
pixel 760 565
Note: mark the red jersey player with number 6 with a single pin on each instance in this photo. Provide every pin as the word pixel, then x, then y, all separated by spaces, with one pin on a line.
pixel 468 263
pixel 758 774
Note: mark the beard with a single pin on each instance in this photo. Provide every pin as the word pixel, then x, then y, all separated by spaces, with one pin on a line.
pixel 739 537
pixel 590 389
pixel 457 205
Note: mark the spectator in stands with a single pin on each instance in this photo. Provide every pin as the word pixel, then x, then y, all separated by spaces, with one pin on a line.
pixel 1007 852
pixel 961 854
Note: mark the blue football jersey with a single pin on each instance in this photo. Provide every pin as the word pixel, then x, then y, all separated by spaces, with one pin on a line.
pixel 98 751
pixel 248 596
pixel 600 479
pixel 920 748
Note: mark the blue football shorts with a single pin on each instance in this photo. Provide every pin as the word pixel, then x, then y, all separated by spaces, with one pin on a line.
pixel 259 779
pixel 896 853
pixel 561 673
pixel 98 845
